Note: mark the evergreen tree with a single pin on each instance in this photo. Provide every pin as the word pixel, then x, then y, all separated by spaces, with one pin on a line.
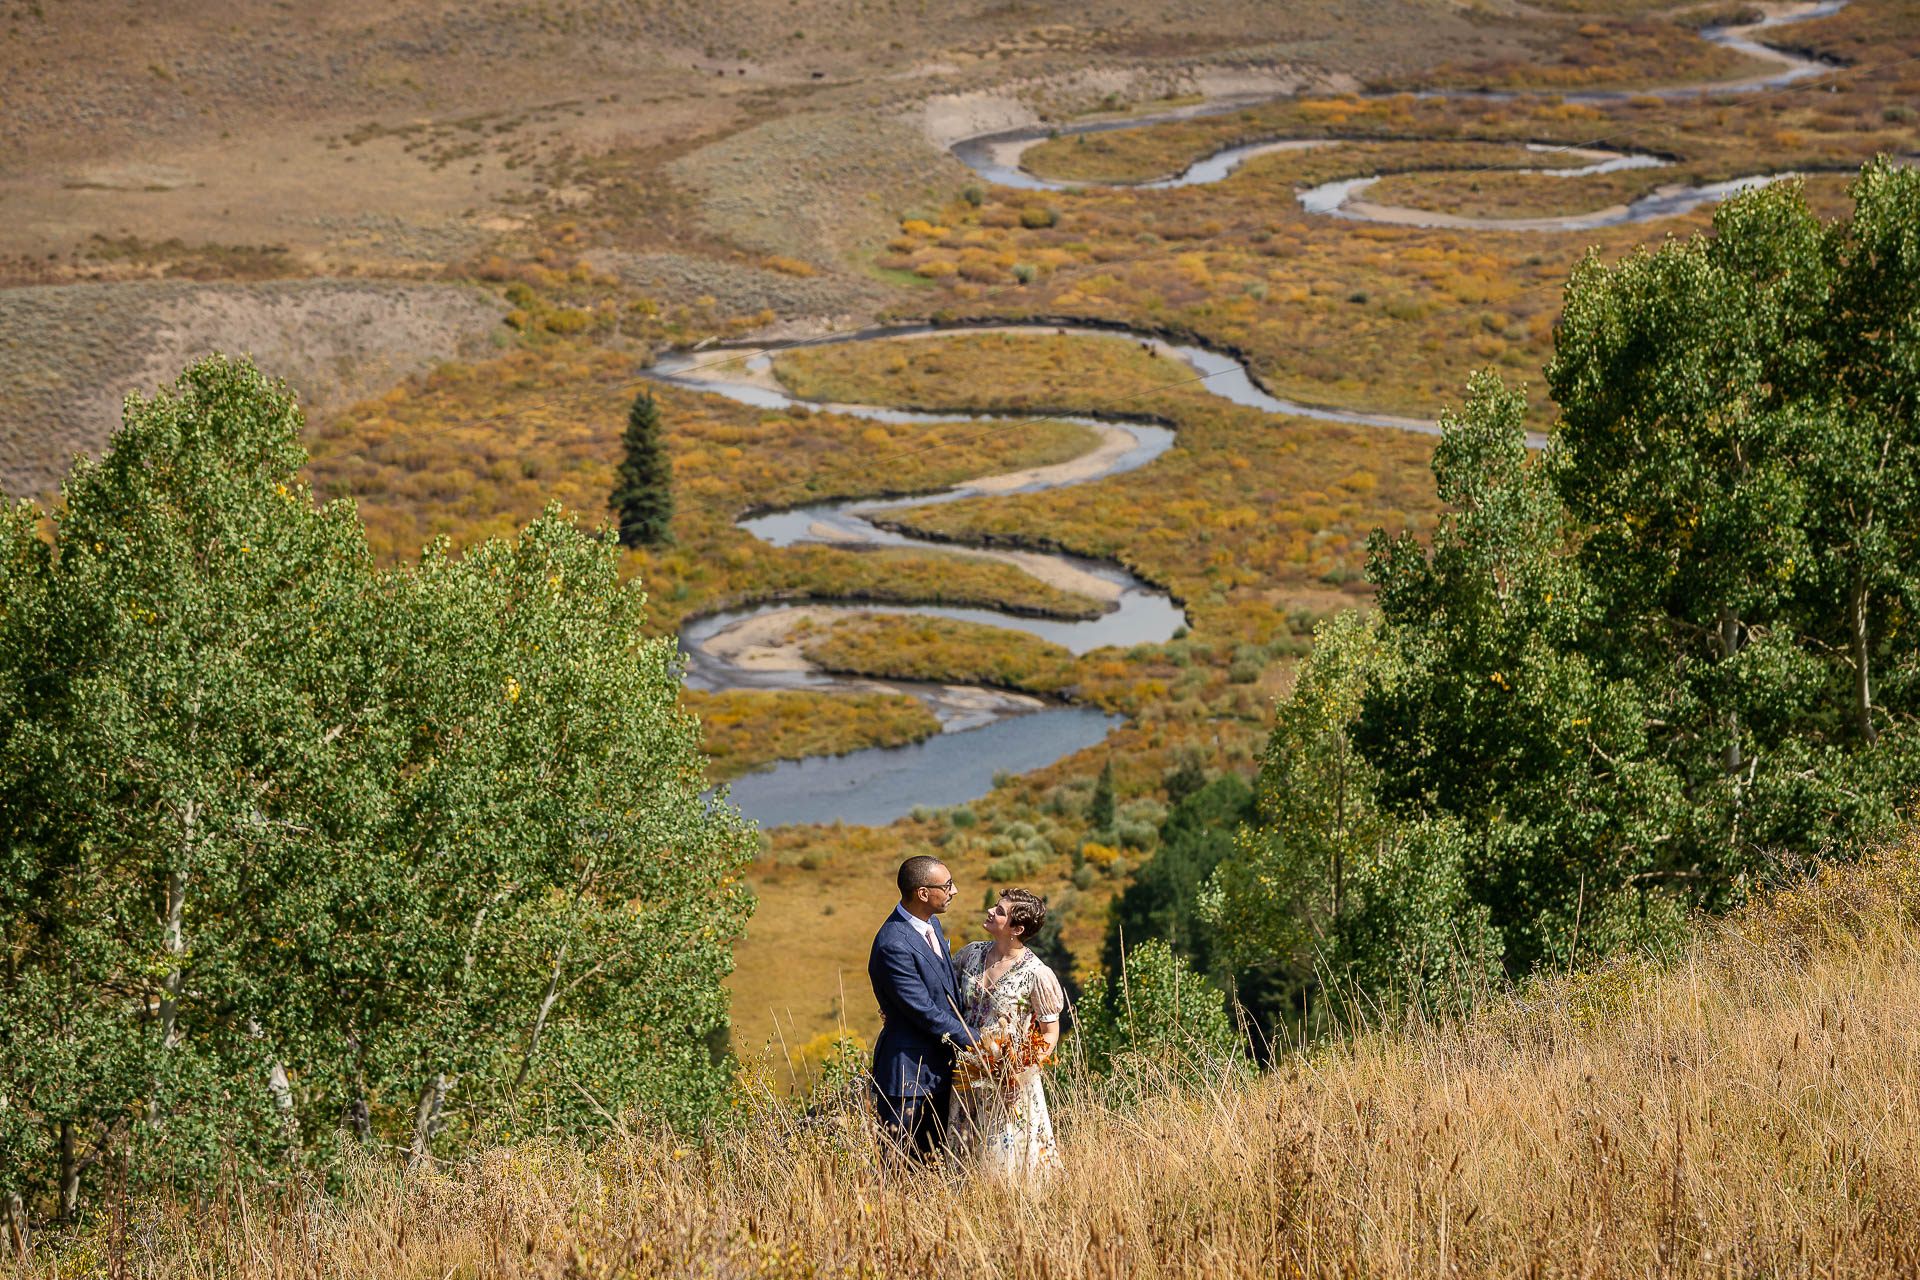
pixel 643 486
pixel 1100 807
pixel 1186 777
pixel 1163 898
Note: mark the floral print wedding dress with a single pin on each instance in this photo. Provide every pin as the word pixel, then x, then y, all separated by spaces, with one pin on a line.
pixel 998 1119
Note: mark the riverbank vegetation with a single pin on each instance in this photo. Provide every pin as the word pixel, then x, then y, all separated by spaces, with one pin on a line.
pixel 465 452
pixel 931 648
pixel 1365 316
pixel 1503 195
pixel 1128 156
pixel 747 729
pixel 1530 1137
pixel 1606 52
pixel 1248 516
pixel 1838 121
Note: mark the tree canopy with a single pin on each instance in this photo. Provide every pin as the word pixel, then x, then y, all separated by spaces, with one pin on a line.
pixel 642 498
pixel 296 845
pixel 1629 678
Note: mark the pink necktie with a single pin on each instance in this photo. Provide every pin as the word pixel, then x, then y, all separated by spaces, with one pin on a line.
pixel 933 940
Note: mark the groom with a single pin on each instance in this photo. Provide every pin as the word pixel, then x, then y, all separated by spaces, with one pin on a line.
pixel 912 975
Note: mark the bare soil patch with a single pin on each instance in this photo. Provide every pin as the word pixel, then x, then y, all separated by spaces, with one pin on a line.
pixel 70 353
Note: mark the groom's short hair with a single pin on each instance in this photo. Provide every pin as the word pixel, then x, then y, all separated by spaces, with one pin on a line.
pixel 917 872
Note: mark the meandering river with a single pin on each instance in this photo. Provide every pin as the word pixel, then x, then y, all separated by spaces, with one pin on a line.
pixel 996 156
pixel 986 731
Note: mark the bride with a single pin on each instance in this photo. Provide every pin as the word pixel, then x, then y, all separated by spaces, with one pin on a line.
pixel 1012 1003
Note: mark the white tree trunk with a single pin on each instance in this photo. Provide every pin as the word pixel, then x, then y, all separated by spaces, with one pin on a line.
pixel 1862 673
pixel 540 1021
pixel 175 933
pixel 1730 645
pixel 282 1091
pixel 426 1117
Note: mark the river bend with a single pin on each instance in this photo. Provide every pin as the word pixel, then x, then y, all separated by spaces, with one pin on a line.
pixel 986 731
pixel 996 156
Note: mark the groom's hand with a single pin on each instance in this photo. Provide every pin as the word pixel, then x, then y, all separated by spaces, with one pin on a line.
pixel 972 1041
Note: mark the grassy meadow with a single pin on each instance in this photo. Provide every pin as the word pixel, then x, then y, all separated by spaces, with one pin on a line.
pixel 1386 318
pixel 1538 195
pixel 471 452
pixel 1747 1106
pixel 1246 517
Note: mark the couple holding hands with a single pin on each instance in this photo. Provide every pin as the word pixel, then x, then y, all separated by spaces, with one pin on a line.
pixel 957 1064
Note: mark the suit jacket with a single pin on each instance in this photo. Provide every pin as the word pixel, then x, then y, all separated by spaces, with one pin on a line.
pixel 920 997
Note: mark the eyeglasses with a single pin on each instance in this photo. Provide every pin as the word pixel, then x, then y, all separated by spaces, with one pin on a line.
pixel 949 888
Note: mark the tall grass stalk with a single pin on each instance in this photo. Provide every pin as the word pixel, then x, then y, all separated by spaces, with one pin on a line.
pixel 1749 1107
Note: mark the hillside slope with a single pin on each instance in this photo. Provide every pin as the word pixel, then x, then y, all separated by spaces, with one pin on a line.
pixel 1751 1107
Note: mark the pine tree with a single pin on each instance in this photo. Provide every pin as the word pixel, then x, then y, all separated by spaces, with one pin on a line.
pixel 643 487
pixel 1100 808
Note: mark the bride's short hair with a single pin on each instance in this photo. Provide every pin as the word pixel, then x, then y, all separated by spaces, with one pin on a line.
pixel 1026 911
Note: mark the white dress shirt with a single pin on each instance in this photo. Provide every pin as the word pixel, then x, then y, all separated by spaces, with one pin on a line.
pixel 925 929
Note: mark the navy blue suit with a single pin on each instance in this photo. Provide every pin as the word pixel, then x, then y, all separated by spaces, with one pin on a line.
pixel 920 998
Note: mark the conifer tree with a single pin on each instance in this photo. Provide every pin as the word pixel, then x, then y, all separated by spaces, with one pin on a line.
pixel 1100 808
pixel 643 486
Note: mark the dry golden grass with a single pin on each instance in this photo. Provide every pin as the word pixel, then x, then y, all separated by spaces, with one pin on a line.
pixel 1515 195
pixel 1835 123
pixel 928 648
pixel 1152 151
pixel 1372 317
pixel 1539 195
pixel 1750 1108
pixel 1614 52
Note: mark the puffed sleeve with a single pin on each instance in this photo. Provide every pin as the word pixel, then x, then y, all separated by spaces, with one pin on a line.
pixel 1047 999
